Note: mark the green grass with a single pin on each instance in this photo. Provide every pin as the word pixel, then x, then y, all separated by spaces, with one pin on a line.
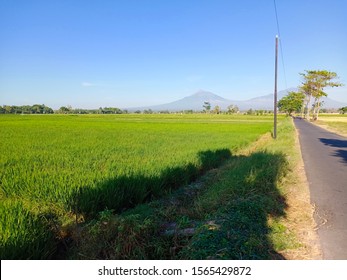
pixel 56 166
pixel 239 205
pixel 237 211
pixel 24 233
pixel 248 204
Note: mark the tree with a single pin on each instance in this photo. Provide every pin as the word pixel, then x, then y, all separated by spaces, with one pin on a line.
pixel 315 81
pixel 111 110
pixel 26 109
pixel 233 109
pixel 216 110
pixel 307 89
pixel 47 110
pixel 148 111
pixel 292 102
pixel 250 112
pixel 343 110
pixel 64 110
pixel 207 106
pixel 8 109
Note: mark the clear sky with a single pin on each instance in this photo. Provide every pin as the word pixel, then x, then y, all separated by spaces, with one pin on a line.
pixel 126 53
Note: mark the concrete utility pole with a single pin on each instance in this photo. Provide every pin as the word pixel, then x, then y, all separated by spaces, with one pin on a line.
pixel 275 92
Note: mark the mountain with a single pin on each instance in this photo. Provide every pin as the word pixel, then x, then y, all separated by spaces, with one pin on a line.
pixel 192 102
pixel 329 103
pixel 265 102
pixel 196 101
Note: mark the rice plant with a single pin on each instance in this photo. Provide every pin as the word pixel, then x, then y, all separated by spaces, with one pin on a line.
pixel 85 164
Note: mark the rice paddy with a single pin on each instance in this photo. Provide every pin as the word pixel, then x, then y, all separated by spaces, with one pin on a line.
pixel 59 167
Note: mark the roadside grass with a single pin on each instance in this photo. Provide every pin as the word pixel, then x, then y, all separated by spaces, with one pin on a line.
pixel 237 208
pixel 253 206
pixel 335 123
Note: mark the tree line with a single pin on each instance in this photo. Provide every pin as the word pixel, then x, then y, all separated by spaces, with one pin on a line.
pixel 43 109
pixel 26 109
pixel 106 110
pixel 308 99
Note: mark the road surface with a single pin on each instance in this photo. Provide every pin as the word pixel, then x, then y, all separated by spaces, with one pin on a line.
pixel 325 159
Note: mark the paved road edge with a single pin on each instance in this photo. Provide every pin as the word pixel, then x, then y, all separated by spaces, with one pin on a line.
pixel 305 225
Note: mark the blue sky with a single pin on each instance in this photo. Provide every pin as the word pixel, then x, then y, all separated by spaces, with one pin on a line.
pixel 126 53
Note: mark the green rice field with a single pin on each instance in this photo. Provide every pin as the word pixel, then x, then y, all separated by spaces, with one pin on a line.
pixel 55 168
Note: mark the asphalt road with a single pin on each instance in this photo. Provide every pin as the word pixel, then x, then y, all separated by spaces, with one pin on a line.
pixel 325 159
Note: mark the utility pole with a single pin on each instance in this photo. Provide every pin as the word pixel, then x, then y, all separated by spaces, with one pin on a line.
pixel 275 92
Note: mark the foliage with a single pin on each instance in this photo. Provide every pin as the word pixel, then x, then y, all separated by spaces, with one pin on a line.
pixel 216 110
pixel 43 109
pixel 292 102
pixel 148 111
pixel 207 106
pixel 233 109
pixel 26 109
pixel 314 83
pixel 106 110
pixel 111 110
pixel 343 110
pixel 252 112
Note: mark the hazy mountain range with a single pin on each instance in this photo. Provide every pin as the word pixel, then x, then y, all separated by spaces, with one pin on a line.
pixel 196 101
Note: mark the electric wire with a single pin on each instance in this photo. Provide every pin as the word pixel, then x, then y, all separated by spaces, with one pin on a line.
pixel 280 41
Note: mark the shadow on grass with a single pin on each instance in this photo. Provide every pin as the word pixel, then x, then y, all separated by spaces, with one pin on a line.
pixel 234 212
pixel 245 205
pixel 125 192
pixel 235 217
pixel 120 193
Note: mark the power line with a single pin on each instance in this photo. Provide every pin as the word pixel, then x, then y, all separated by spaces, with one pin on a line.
pixel 278 26
pixel 280 41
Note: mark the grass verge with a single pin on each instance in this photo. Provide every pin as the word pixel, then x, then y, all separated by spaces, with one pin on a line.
pixel 252 207
pixel 333 123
